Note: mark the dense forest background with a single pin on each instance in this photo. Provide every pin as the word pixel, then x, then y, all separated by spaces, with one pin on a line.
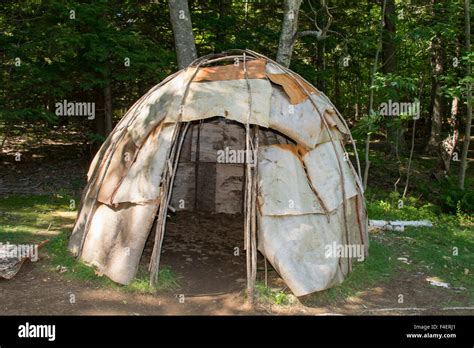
pixel 360 53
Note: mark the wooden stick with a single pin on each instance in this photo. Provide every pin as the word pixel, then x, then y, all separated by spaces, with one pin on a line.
pixel 167 186
pixel 164 203
pixel 249 195
pixel 254 211
pixel 266 271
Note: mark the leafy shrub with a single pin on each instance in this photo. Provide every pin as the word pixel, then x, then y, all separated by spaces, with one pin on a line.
pixel 454 200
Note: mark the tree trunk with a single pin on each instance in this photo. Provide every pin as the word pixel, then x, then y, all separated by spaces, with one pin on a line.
pixel 371 95
pixel 224 14
pixel 99 120
pixel 448 144
pixel 437 106
pixel 183 32
pixel 395 134
pixel 321 65
pixel 388 44
pixel 467 134
pixel 337 85
pixel 108 110
pixel 288 31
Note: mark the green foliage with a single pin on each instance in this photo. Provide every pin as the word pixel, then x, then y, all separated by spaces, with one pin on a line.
pixel 448 197
pixel 51 54
pixel 394 85
pixel 368 124
pixel 73 59
pixel 395 208
pixel 95 138
pixel 458 201
pixel 272 296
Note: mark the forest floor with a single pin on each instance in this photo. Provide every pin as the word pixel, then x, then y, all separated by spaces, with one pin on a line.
pixel 202 273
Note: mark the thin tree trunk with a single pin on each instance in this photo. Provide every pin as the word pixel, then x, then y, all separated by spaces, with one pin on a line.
pixel 108 110
pixel 448 144
pixel 395 134
pixel 288 31
pixel 183 32
pixel 321 65
pixel 388 39
pixel 437 101
pixel 467 134
pixel 6 135
pixel 337 85
pixel 224 11
pixel 371 97
pixel 99 120
pixel 413 132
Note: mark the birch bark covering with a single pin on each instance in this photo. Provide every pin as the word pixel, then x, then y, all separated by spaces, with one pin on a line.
pixel 303 212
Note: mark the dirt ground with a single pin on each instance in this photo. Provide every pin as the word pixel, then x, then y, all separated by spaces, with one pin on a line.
pixel 206 251
pixel 200 251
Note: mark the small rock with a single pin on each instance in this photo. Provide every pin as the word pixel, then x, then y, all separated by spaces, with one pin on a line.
pixel 61 269
pixel 438 283
pixel 404 260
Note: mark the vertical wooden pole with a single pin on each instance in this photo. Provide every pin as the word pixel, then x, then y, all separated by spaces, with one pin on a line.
pixel 249 195
pixel 253 237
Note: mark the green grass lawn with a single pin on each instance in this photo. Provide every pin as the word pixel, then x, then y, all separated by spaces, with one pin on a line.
pixel 445 251
pixel 33 219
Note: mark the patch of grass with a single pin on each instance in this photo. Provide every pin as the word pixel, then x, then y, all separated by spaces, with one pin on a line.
pixel 31 219
pixel 25 220
pixel 167 281
pixel 60 256
pixel 378 267
pixel 265 294
pixel 445 252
